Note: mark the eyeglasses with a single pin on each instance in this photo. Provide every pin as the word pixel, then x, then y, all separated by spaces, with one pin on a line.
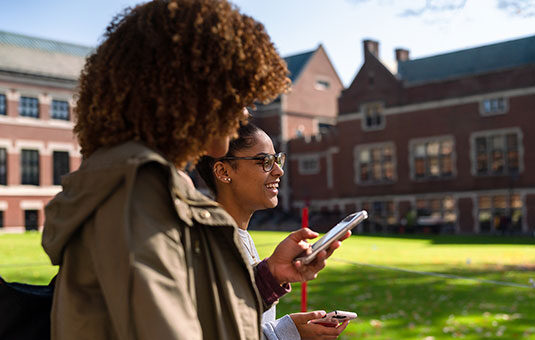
pixel 268 160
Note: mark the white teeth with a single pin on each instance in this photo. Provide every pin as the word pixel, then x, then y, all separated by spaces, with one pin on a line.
pixel 272 185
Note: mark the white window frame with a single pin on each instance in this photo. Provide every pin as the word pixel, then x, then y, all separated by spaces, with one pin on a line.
pixel 416 141
pixel 309 171
pixel 322 84
pixel 489 133
pixel 380 112
pixel 356 163
pixel 493 112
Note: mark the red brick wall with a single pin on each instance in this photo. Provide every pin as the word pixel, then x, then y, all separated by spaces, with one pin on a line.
pixel 305 98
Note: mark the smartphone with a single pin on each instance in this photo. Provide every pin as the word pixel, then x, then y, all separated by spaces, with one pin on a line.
pixel 334 234
pixel 333 319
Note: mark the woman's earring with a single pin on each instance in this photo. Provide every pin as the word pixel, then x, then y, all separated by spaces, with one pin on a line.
pixel 228 180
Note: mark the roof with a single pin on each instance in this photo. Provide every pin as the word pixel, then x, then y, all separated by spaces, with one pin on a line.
pixel 25 54
pixel 470 61
pixel 297 62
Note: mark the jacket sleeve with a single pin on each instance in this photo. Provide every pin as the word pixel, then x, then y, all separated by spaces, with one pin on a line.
pixel 268 287
pixel 161 306
pixel 283 328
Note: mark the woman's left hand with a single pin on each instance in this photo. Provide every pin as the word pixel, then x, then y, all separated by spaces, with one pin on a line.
pixel 309 331
pixel 282 265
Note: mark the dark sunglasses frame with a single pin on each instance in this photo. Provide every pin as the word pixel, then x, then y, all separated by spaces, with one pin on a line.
pixel 268 160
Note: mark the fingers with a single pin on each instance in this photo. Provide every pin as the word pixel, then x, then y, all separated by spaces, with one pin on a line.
pixel 342 326
pixel 303 234
pixel 302 318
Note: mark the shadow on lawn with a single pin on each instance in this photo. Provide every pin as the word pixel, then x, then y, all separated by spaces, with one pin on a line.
pixel 461 239
pixel 400 305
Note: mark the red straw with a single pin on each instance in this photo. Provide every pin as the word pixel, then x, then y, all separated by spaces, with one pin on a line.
pixel 304 224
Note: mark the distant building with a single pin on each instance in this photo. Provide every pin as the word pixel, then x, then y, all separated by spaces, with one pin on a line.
pixel 308 109
pixel 38 78
pixel 446 138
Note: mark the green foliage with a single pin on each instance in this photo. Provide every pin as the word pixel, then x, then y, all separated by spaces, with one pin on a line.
pixel 396 304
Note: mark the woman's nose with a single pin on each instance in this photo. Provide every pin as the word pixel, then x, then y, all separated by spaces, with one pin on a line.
pixel 277 170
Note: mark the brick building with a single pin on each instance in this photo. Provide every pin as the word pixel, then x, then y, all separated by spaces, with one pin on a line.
pixel 311 107
pixel 442 142
pixel 37 83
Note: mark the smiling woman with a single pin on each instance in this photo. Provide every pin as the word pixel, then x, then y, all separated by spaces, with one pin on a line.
pixel 245 180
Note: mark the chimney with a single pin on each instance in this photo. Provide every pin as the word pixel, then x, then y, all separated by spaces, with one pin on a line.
pixel 402 54
pixel 372 47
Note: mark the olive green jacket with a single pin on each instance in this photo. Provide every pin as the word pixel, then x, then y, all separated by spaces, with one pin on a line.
pixel 143 255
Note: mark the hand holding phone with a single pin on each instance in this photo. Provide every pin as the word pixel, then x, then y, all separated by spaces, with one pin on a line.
pixel 334 234
pixel 334 318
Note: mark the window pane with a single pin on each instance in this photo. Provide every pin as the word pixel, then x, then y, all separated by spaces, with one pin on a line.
pixel 499 202
pixel 446 166
pixel 433 167
pixel 516 201
pixel 432 148
pixel 60 109
pixel 376 164
pixel 3 104
pixel 364 156
pixel 29 107
pixel 419 150
pixel 364 173
pixel 485 202
pixel 419 167
pixel 446 148
pixel 61 165
pixel 3 166
pixel 433 158
pixel 30 167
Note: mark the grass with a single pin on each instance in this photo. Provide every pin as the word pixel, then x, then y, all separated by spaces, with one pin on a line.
pixel 391 304
pixel 395 304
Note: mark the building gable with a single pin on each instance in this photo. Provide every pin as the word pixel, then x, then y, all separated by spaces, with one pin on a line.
pixel 374 82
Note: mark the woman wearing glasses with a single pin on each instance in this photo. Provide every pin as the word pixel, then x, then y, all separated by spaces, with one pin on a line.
pixel 245 180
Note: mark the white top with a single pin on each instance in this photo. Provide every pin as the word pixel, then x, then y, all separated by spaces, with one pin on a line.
pixel 283 328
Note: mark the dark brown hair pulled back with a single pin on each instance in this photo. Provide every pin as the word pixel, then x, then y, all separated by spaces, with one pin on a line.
pixel 174 74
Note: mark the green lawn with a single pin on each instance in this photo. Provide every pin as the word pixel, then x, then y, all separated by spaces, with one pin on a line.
pixel 391 304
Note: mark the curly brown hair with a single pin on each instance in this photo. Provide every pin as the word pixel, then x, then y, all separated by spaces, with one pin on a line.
pixel 174 74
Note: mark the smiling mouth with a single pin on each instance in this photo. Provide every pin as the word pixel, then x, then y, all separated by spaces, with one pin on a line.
pixel 272 186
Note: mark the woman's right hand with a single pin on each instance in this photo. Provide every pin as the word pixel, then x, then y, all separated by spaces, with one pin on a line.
pixel 309 331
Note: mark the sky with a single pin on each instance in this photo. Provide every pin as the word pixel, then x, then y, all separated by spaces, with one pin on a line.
pixel 297 26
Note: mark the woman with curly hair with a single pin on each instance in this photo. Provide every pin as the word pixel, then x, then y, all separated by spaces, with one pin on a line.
pixel 142 254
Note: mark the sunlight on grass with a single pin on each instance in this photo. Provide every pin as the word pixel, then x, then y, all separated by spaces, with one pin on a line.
pixel 402 305
pixel 391 304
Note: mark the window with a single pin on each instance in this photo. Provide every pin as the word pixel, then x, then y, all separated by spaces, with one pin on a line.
pixel 31 219
pixel 309 165
pixel 497 153
pixel 432 158
pixel 375 164
pixel 30 167
pixel 1 219
pixel 3 166
pixel 373 118
pixel 493 106
pixel 500 213
pixel 436 210
pixel 60 110
pixel 382 214
pixel 61 165
pixel 3 105
pixel 29 107
pixel 322 85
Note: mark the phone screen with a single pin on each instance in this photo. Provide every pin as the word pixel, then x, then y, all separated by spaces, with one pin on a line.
pixel 335 230
pixel 334 234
